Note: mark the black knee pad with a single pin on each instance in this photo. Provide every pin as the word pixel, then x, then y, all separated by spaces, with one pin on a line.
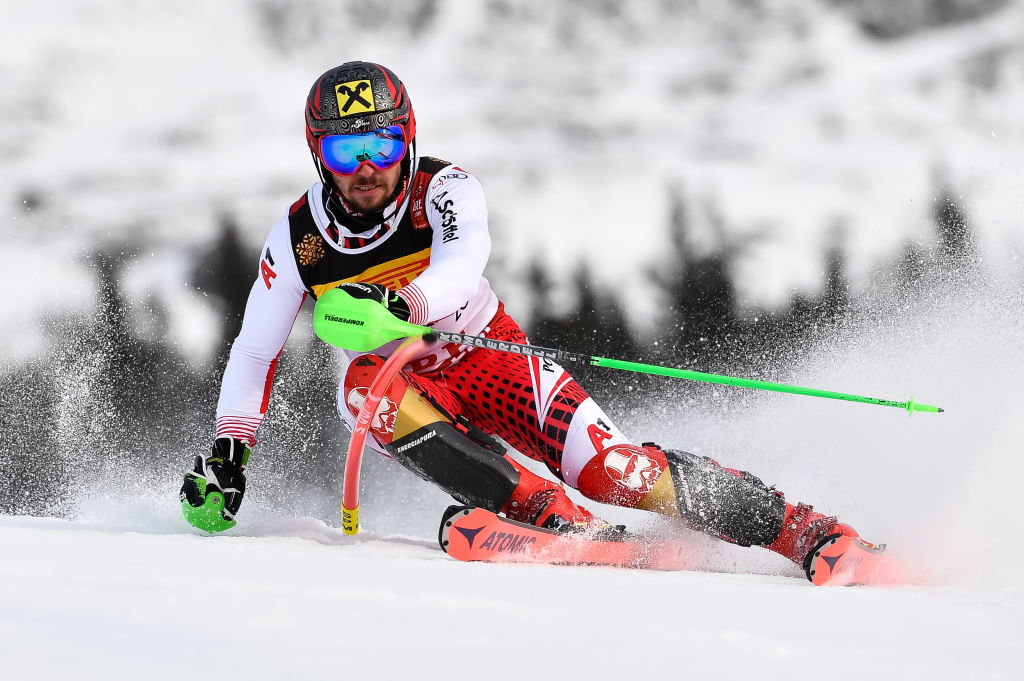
pixel 471 473
pixel 738 509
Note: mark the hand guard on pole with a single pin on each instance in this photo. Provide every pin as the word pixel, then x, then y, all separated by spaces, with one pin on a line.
pixel 212 491
pixel 392 301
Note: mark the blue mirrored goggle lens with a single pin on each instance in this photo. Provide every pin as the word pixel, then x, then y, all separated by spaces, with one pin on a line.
pixel 383 148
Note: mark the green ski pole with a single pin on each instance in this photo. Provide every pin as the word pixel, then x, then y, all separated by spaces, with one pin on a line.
pixel 362 325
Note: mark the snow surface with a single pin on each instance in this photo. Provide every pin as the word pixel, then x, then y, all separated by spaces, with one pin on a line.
pixel 299 600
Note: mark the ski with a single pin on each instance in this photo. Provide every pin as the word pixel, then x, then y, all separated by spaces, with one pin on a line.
pixel 848 561
pixel 475 534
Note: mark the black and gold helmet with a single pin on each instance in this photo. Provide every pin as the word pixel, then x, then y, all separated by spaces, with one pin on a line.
pixel 357 96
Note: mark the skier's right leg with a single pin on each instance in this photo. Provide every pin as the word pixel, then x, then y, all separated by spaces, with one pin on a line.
pixel 538 408
pixel 730 504
pixel 419 424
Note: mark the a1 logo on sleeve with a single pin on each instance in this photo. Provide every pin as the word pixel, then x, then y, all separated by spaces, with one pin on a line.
pixel 266 269
pixel 354 97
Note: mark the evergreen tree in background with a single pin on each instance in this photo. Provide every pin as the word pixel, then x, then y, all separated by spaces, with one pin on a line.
pixel 835 297
pixel 889 20
pixel 956 246
pixel 225 272
pixel 129 368
pixel 810 317
pixel 701 323
pixel 953 256
pixel 701 327
pixel 597 325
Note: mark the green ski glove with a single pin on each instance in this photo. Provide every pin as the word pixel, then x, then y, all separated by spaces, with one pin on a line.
pixel 213 489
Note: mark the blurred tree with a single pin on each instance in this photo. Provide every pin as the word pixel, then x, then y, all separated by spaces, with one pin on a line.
pixel 701 322
pixel 835 298
pixel 132 371
pixel 911 267
pixel 890 20
pixel 670 277
pixel 955 239
pixel 225 272
pixel 954 253
pixel 601 320
pixel 597 325
pixel 539 286
pixel 104 400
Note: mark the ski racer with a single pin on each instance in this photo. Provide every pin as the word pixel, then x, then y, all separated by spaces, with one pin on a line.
pixel 410 232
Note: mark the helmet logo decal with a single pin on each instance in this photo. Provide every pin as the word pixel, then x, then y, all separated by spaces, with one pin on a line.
pixel 351 99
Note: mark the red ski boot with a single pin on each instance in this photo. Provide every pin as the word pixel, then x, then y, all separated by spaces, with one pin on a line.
pixel 540 502
pixel 802 529
pixel 831 553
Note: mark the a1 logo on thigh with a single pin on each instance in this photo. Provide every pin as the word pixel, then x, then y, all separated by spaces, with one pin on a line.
pixel 632 468
pixel 622 473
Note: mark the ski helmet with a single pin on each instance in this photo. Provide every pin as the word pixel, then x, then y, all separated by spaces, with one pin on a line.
pixel 356 97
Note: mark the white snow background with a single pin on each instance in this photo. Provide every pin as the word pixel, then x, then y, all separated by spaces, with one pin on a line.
pixel 129 120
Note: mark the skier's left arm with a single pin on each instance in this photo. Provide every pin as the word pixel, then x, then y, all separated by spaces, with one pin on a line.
pixel 457 211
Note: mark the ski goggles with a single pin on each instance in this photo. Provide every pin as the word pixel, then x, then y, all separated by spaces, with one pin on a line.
pixel 343 154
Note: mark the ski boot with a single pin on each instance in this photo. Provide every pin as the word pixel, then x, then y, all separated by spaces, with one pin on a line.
pixel 536 501
pixel 831 553
pixel 540 502
pixel 804 529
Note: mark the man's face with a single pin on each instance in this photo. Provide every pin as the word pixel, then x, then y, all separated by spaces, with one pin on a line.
pixel 369 188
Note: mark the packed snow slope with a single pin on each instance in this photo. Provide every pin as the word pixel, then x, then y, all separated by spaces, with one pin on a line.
pixel 298 600
pixel 127 590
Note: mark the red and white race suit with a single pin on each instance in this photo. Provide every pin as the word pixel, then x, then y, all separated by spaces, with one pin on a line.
pixel 433 252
